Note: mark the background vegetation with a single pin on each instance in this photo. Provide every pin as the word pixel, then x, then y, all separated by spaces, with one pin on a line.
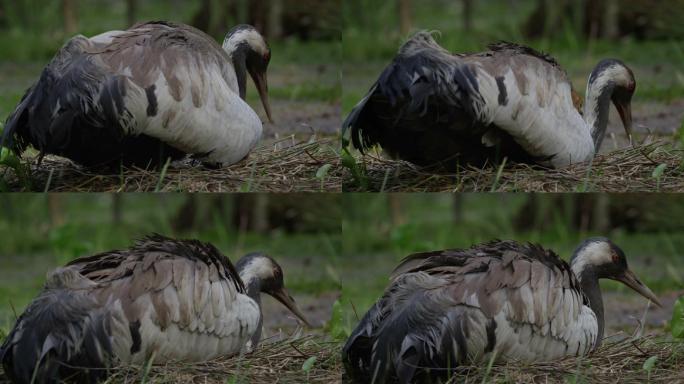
pixel 578 33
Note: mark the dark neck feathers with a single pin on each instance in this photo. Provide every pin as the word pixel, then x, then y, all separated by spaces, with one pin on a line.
pixel 239 58
pixel 597 106
pixel 254 291
pixel 590 287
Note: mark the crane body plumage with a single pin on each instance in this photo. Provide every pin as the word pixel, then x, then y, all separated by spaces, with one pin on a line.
pixel 139 96
pixel 163 299
pixel 433 107
pixel 503 300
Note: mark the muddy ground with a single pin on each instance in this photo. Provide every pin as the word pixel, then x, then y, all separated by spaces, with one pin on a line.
pixel 302 119
pixel 315 304
pixel 625 310
pixel 279 322
pixel 651 120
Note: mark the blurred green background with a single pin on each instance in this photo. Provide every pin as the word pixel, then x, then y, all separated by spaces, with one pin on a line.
pixel 301 232
pixel 304 36
pixel 647 35
pixel 379 230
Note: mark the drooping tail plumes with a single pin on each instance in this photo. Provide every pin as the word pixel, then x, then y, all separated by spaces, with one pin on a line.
pixel 15 124
pixel 60 106
pixel 62 335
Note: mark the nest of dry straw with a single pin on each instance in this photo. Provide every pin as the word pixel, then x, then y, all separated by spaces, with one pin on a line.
pixel 655 166
pixel 273 362
pixel 620 362
pixel 283 166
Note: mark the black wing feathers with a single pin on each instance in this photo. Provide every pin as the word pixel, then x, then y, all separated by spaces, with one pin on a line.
pixel 60 113
pixel 59 332
pixel 524 50
pixel 419 326
pixel 65 332
pixel 357 351
pixel 420 91
pixel 426 108
pixel 189 249
pixel 77 110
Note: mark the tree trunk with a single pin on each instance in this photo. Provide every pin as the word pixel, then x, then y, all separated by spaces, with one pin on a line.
pixel 467 15
pixel 3 15
pixel 594 18
pixel 258 15
pixel 22 15
pixel 394 201
pixel 405 23
pixel 611 29
pixel 186 216
pixel 131 10
pixel 241 211
pixel 601 222
pixel 202 19
pixel 260 222
pixel 457 212
pixel 228 17
pixel 116 208
pixel 7 204
pixel 55 209
pixel 70 17
pixel 275 18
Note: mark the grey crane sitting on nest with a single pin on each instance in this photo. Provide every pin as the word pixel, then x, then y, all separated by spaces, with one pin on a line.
pixel 155 91
pixel 433 107
pixel 162 298
pixel 504 299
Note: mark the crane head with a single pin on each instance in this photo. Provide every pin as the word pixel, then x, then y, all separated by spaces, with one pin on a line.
pixel 602 258
pixel 247 44
pixel 622 99
pixel 269 275
pixel 612 78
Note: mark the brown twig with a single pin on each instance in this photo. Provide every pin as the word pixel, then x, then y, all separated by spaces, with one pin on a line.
pixel 288 168
pixel 625 170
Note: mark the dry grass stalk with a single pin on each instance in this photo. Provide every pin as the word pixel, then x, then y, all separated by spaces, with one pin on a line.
pixel 617 362
pixel 624 170
pixel 281 362
pixel 283 166
pixel 272 362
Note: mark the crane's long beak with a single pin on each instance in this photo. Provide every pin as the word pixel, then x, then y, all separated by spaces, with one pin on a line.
pixel 625 111
pixel 284 297
pixel 630 280
pixel 261 82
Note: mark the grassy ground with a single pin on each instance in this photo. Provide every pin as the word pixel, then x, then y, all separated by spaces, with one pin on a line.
pixel 285 165
pixel 373 246
pixel 651 167
pixel 295 360
pixel 370 43
pixel 305 94
pixel 33 245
